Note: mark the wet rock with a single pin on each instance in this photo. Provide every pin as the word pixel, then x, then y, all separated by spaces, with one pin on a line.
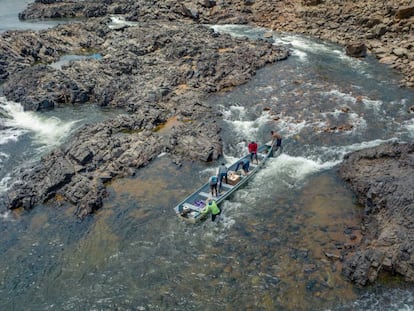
pixel 312 2
pixel 143 71
pixel 309 268
pixel 356 49
pixel 208 3
pixel 382 179
pixel 405 12
pixel 336 21
pixel 333 257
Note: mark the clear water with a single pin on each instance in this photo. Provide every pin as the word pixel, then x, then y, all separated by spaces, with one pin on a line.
pixel 9 17
pixel 269 249
pixel 66 59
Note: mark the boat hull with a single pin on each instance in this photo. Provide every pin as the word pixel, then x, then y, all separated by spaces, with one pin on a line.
pixel 190 208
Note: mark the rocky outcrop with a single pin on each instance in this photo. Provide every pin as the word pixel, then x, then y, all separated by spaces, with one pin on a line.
pixel 382 178
pixel 152 72
pixel 356 49
pixel 78 171
pixel 385 28
pixel 154 58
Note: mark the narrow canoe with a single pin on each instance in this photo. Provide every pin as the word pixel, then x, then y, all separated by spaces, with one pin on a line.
pixel 190 208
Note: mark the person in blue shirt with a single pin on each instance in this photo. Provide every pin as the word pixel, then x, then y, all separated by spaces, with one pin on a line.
pixel 222 173
pixel 213 185
pixel 245 164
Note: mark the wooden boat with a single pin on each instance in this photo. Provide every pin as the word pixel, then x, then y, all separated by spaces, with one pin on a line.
pixel 190 208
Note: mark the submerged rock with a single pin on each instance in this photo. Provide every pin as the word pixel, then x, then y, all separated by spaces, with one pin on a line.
pixel 356 49
pixel 382 178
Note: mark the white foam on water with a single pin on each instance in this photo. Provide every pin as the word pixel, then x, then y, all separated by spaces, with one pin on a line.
pixel 306 45
pixel 299 168
pixel 226 219
pixel 283 172
pixel 339 152
pixel 358 122
pixel 119 20
pixel 300 54
pixel 300 46
pixel 352 99
pixel 346 98
pixel 391 300
pixel 10 134
pixel 409 126
pixel 4 184
pixel 236 117
pixel 3 156
pixel 46 130
pixel 359 65
pixel 288 126
pixel 233 112
pixel 268 89
pixel 373 104
pixel 6 216
pixel 237 30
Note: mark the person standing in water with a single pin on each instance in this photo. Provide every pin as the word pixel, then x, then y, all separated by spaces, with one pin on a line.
pixel 276 137
pixel 211 206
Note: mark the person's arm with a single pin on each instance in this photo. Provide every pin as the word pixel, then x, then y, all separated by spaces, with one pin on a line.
pixel 205 209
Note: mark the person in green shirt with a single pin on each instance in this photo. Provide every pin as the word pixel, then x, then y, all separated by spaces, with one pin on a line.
pixel 211 206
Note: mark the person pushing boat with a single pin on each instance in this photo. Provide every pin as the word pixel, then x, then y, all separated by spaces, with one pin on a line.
pixel 276 137
pixel 244 164
pixel 211 207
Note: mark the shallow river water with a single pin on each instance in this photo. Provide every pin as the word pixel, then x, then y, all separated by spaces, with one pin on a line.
pixel 278 243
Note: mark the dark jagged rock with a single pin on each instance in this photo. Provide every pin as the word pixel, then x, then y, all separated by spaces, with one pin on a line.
pixel 380 25
pixel 356 49
pixel 405 12
pixel 382 178
pixel 152 71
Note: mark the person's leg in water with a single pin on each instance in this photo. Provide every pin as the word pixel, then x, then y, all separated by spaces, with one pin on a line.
pixel 279 145
pixel 213 217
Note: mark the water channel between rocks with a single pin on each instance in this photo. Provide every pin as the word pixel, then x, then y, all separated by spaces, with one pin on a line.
pixel 277 245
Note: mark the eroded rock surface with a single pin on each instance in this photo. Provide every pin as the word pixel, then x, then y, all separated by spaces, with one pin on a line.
pixel 382 178
pixel 151 72
pixel 386 28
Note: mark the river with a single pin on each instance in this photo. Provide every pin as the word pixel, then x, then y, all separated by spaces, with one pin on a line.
pixel 278 242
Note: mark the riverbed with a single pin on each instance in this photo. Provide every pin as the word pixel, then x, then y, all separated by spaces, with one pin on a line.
pixel 278 243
